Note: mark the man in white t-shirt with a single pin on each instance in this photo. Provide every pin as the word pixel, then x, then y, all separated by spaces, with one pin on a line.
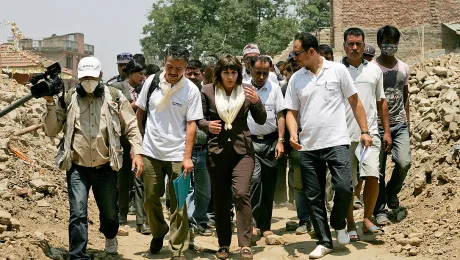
pixel 268 144
pixel 368 80
pixel 172 109
pixel 318 92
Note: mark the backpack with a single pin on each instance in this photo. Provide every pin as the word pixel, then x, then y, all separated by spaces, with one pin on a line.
pixel 153 85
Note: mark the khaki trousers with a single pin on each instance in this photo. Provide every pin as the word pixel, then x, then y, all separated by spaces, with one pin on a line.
pixel 154 186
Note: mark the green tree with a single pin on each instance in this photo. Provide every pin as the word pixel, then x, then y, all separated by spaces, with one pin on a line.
pixel 218 26
pixel 276 34
pixel 313 14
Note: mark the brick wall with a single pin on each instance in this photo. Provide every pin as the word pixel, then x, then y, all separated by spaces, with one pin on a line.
pixel 408 15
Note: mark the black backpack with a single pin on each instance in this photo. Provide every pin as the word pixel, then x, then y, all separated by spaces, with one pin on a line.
pixel 153 85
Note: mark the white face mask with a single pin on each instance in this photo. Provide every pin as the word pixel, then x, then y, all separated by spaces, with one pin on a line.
pixel 89 85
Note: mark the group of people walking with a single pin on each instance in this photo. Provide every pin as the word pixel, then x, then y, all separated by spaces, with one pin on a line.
pixel 235 126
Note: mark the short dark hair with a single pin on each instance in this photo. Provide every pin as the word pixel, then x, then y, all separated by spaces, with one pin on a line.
pixel 134 66
pixel 389 31
pixel 226 62
pixel 139 58
pixel 194 64
pixel 325 48
pixel 152 69
pixel 280 63
pixel 262 59
pixel 352 31
pixel 177 52
pixel 308 40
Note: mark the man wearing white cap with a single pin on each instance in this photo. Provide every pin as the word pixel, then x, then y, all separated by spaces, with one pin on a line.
pixel 93 117
pixel 250 51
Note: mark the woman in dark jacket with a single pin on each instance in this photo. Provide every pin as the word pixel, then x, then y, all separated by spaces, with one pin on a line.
pixel 226 105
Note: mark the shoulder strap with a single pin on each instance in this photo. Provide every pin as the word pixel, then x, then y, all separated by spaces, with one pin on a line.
pixel 153 85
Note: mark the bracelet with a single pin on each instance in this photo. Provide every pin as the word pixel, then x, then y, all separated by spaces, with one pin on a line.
pixel 281 139
pixel 366 133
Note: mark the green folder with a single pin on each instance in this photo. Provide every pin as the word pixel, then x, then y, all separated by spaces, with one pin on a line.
pixel 182 188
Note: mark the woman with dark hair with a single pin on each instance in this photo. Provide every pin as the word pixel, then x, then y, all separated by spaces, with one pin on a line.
pixel 135 71
pixel 226 104
pixel 135 77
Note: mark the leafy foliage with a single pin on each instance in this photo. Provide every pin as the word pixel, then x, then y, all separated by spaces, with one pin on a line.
pixel 226 26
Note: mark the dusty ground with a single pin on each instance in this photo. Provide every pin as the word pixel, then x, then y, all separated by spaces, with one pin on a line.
pixel 135 245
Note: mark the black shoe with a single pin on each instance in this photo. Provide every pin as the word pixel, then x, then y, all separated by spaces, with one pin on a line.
pixel 122 222
pixel 157 243
pixel 203 230
pixel 222 253
pixel 143 229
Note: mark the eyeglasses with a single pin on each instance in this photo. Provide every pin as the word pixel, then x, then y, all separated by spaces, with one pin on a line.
pixel 297 53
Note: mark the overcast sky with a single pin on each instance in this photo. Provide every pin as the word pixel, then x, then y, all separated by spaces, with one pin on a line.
pixel 112 26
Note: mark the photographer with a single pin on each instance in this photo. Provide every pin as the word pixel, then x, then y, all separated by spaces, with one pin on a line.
pixel 93 117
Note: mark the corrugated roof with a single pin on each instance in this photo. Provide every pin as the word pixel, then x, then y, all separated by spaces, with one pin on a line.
pixel 23 61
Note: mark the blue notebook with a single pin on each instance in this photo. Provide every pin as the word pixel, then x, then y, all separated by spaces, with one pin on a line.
pixel 182 188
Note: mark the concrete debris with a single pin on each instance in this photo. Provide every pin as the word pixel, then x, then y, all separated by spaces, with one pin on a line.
pixel 274 240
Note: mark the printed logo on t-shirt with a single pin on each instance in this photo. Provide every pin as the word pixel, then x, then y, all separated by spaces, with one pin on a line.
pixel 177 104
pixel 393 85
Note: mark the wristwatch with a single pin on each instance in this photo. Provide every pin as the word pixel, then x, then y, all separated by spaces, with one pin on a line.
pixel 281 139
pixel 366 133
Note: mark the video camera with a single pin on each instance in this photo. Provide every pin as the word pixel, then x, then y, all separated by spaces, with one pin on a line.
pixel 51 83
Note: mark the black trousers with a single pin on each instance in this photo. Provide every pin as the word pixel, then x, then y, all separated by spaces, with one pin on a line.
pixel 313 171
pixel 263 182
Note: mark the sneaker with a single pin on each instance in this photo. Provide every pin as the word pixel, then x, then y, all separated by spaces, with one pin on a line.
pixel 342 237
pixel 303 228
pixel 319 252
pixel 111 245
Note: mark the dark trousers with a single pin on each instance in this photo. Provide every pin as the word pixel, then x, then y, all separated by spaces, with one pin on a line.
pixel 313 170
pixel 263 183
pixel 231 172
pixel 104 183
pixel 281 191
pixel 126 180
pixel 401 156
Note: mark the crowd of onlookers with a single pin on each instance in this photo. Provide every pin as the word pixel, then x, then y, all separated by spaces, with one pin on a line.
pixel 240 129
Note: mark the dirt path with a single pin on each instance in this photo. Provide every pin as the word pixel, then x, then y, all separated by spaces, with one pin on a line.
pixel 135 245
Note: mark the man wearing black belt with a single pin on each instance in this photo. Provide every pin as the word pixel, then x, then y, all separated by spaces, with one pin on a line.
pixel 268 143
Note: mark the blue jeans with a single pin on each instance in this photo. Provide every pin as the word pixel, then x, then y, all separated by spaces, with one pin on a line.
pixel 313 170
pixel 104 183
pixel 401 156
pixel 299 194
pixel 200 194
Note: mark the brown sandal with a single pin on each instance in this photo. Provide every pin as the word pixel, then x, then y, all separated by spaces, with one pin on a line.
pixel 246 253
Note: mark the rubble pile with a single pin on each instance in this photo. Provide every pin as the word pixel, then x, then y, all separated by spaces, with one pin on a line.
pixel 33 191
pixel 431 211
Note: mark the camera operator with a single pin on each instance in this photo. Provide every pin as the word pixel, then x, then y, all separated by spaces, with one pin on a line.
pixel 93 118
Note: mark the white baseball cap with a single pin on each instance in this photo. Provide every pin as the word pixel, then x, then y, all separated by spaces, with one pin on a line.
pixel 89 67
